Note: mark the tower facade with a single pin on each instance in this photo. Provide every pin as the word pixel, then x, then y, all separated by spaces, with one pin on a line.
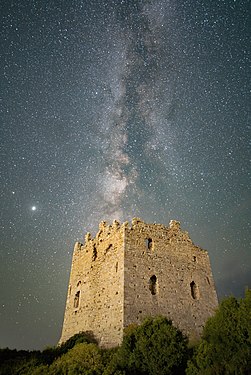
pixel 128 272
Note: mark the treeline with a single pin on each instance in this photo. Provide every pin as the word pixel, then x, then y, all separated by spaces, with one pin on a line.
pixel 155 347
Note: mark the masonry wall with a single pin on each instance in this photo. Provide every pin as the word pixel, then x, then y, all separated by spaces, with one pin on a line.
pixel 166 274
pixel 95 294
pixel 136 270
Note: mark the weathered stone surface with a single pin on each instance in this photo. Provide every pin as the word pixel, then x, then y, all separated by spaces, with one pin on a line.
pixel 127 273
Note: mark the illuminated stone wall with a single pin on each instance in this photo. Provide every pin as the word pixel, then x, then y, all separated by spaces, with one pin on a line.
pixel 128 272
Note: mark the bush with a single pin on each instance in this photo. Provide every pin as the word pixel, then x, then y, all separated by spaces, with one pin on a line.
pixel 225 347
pixel 78 338
pixel 155 347
pixel 83 358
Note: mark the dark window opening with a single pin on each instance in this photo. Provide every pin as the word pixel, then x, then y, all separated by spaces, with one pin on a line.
pixel 194 259
pixel 194 290
pixel 208 281
pixel 116 267
pixel 153 285
pixel 79 283
pixel 94 253
pixel 149 243
pixel 108 248
pixel 76 300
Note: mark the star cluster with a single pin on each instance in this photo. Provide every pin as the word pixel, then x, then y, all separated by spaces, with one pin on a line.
pixel 111 110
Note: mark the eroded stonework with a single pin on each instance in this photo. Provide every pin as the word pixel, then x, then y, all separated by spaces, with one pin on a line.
pixel 128 272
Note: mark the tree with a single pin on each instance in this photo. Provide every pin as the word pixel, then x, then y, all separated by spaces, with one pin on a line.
pixel 83 358
pixel 35 362
pixel 18 362
pixel 81 337
pixel 225 347
pixel 155 347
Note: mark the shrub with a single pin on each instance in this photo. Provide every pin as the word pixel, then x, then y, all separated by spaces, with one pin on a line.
pixel 83 358
pixel 155 347
pixel 225 347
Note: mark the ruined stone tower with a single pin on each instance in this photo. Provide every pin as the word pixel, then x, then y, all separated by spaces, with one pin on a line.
pixel 128 272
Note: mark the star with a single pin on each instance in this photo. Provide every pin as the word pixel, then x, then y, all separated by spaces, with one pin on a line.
pixel 144 116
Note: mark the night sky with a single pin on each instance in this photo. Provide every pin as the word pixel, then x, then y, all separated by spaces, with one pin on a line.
pixel 118 109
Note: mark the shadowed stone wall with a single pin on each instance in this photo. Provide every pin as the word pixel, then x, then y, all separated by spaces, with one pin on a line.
pixel 166 274
pixel 129 272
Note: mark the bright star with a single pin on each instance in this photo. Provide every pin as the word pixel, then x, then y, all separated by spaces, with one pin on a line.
pixel 33 208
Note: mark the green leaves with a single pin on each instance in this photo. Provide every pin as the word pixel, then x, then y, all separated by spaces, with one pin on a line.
pixel 83 358
pixel 225 347
pixel 155 347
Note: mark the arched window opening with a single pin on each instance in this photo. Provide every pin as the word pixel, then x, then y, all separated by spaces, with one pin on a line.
pixel 79 283
pixel 153 285
pixel 194 290
pixel 149 244
pixel 76 300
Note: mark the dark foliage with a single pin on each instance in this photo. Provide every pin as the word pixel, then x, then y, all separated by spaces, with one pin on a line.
pixel 225 347
pixel 24 361
pixel 81 337
pixel 13 361
pixel 154 347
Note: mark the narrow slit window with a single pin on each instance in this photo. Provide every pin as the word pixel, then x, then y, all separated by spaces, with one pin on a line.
pixel 153 285
pixel 194 290
pixel 76 300
pixel 94 253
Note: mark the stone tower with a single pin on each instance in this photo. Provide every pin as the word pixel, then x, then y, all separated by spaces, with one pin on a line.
pixel 128 272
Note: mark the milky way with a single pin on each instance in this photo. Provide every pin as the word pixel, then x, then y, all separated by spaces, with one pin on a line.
pixel 114 110
pixel 135 126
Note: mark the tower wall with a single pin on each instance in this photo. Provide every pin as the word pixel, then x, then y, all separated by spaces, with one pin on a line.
pixel 166 274
pixel 129 272
pixel 95 293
